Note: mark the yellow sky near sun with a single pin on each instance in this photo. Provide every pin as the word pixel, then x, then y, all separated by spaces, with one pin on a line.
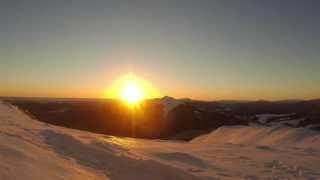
pixel 130 82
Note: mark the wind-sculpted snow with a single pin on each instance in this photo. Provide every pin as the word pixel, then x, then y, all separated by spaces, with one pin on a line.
pixel 109 159
pixel 33 150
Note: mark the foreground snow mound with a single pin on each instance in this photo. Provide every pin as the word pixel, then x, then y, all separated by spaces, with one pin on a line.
pixel 279 137
pixel 33 150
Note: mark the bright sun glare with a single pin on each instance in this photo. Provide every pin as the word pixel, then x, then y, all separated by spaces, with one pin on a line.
pixel 131 89
pixel 132 92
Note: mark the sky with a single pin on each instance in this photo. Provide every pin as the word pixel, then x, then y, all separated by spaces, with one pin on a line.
pixel 200 49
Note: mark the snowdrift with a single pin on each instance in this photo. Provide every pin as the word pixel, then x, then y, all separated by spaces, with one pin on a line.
pixel 281 137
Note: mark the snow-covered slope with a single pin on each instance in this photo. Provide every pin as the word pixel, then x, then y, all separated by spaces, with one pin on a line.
pixel 33 150
pixel 277 137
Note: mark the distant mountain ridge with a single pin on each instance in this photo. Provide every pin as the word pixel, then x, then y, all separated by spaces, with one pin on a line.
pixel 168 117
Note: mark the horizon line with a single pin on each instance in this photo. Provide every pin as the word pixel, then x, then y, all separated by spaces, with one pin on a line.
pixel 100 98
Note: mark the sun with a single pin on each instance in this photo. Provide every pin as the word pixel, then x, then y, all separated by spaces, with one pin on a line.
pixel 131 89
pixel 132 92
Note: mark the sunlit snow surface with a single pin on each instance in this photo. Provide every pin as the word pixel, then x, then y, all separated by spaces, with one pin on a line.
pixel 33 150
